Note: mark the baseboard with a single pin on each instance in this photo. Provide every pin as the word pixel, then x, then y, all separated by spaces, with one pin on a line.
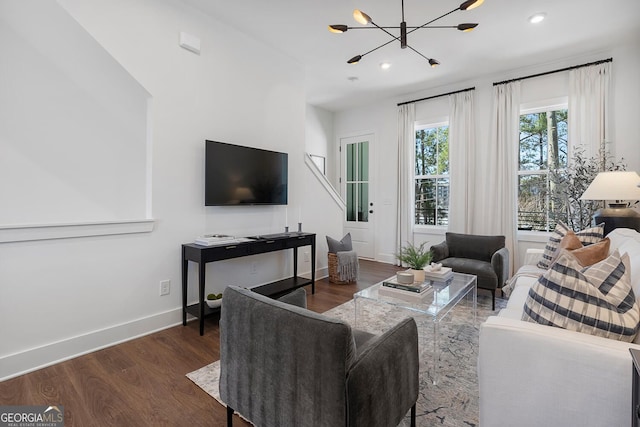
pixel 20 363
pixel 30 360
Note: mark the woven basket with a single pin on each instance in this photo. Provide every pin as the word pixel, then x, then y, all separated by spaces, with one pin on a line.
pixel 334 274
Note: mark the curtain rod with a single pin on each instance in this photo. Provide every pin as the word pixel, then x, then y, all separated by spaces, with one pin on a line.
pixel 437 96
pixel 602 61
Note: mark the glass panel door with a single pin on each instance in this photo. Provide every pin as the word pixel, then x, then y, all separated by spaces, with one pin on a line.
pixel 357 181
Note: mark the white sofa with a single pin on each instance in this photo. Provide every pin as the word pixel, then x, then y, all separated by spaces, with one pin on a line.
pixel 535 375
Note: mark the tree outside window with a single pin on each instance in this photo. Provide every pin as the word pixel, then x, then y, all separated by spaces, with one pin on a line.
pixel 432 175
pixel 543 147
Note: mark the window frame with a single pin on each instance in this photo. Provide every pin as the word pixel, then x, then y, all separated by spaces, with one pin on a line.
pixel 421 125
pixel 561 103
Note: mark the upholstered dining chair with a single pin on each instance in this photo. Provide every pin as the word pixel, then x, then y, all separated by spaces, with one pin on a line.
pixel 283 365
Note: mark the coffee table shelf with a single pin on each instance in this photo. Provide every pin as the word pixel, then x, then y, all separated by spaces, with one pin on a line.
pixel 435 304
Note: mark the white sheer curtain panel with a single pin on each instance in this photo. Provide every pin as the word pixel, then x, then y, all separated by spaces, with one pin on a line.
pixel 589 107
pixel 406 147
pixel 461 160
pixel 498 206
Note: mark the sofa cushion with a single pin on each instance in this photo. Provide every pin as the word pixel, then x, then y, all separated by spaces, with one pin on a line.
pixel 627 241
pixel 586 255
pixel 473 246
pixel 339 246
pixel 587 236
pixel 597 300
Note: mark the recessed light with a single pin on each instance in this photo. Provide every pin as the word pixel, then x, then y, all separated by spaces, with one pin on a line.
pixel 537 18
pixel 385 65
pixel 352 79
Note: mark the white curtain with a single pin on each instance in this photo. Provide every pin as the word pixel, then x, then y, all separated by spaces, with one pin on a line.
pixel 496 211
pixel 589 108
pixel 461 160
pixel 406 147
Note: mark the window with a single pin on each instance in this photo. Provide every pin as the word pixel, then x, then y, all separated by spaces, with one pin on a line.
pixel 432 175
pixel 543 148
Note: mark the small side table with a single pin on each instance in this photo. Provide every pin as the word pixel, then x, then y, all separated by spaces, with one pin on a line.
pixel 635 387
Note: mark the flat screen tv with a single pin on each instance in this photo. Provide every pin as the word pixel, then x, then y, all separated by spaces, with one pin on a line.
pixel 237 175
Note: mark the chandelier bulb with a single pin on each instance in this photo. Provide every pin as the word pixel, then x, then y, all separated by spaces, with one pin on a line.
pixel 434 63
pixel 471 4
pixel 361 17
pixel 338 29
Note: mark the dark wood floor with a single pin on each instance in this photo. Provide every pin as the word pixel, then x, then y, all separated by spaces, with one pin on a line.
pixel 142 382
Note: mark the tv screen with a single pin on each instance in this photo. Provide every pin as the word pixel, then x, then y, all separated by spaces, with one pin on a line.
pixel 237 175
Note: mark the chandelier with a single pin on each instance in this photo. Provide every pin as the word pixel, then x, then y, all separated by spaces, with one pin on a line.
pixel 364 19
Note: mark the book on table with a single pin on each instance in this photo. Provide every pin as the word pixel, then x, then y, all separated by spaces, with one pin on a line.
pixel 414 288
pixel 439 274
pixel 405 295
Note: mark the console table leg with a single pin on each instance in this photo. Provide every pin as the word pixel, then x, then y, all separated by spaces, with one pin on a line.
pixel 313 265
pixel 185 269
pixel 201 279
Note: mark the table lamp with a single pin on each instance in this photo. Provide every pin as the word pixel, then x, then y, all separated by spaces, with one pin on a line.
pixel 620 186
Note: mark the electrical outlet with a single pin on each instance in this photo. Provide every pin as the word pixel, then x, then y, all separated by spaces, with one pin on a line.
pixel 306 256
pixel 254 267
pixel 165 287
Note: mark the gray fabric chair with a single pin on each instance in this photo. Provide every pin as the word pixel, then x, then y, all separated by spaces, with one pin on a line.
pixel 282 365
pixel 483 256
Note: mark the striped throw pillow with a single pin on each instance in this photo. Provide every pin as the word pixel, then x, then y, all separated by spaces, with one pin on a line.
pixel 587 236
pixel 596 300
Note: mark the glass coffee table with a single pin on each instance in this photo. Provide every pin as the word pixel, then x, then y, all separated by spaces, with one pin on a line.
pixel 435 304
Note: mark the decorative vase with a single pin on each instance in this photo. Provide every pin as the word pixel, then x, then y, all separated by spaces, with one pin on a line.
pixel 418 275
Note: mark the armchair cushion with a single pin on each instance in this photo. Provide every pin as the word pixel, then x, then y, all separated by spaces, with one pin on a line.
pixel 297 298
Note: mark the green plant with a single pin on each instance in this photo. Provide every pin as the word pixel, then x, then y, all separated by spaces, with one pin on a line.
pixel 214 296
pixel 568 184
pixel 415 257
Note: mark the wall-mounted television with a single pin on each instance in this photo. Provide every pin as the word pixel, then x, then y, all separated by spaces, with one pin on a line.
pixel 238 175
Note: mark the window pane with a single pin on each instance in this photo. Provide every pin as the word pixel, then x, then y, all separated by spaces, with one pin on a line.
pixel 532 202
pixel 363 202
pixel 443 150
pixel 351 162
pixel 432 201
pixel 363 164
pixel 351 202
pixel 442 201
pixel 533 141
pixel 426 151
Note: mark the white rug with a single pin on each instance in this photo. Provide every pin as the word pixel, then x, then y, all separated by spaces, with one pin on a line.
pixel 454 400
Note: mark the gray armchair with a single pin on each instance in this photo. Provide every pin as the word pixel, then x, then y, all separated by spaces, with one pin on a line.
pixel 282 365
pixel 483 256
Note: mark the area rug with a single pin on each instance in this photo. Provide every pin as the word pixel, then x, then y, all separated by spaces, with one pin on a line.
pixel 453 401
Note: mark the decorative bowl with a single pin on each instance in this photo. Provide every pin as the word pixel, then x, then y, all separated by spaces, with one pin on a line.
pixel 405 277
pixel 214 303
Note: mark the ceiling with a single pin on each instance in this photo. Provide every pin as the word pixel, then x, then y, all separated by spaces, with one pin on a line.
pixel 503 41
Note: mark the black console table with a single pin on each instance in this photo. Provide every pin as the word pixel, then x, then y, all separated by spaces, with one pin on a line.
pixel 257 245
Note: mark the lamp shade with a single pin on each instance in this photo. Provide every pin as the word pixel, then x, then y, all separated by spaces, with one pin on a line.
pixel 616 185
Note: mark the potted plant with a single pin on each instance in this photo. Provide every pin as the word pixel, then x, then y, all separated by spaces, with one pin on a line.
pixel 570 182
pixel 415 257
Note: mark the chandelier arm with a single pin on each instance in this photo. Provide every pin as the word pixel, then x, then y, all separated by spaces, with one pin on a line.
pixel 418 53
pixel 433 20
pixel 376 48
pixel 384 29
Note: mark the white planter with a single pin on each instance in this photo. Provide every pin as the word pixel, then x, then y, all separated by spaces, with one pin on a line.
pixel 418 275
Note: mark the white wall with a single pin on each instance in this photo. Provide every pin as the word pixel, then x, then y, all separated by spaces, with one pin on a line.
pixel 382 117
pixel 62 297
